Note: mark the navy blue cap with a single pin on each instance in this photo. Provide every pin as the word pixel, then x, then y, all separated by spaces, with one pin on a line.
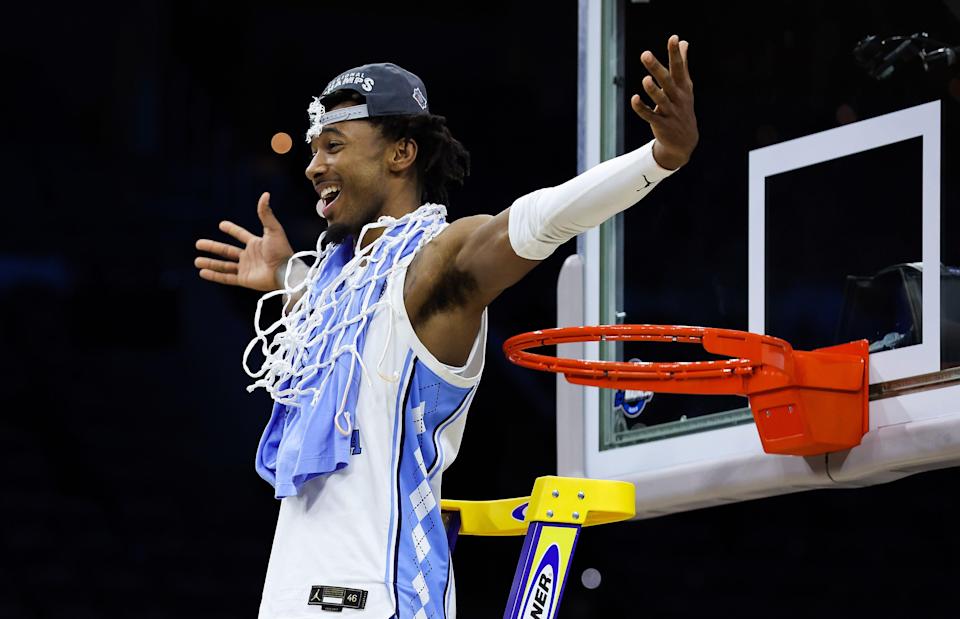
pixel 389 90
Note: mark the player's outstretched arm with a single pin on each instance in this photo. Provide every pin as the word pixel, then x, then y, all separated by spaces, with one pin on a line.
pixel 256 264
pixel 497 252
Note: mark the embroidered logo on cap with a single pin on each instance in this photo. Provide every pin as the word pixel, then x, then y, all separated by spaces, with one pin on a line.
pixel 419 98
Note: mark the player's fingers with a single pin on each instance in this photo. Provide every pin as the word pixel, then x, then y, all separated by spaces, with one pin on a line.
pixel 221 266
pixel 659 97
pixel 642 110
pixel 266 215
pixel 221 249
pixel 658 71
pixel 228 279
pixel 677 71
pixel 238 232
pixel 684 46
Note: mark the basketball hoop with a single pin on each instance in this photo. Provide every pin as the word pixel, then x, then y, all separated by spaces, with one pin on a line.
pixel 804 402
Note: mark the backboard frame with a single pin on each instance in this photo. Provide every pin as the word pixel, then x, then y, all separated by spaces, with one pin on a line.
pixel 920 121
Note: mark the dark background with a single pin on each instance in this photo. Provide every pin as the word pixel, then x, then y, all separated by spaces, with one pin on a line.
pixel 127 437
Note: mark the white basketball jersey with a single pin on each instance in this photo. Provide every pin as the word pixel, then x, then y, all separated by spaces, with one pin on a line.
pixel 370 534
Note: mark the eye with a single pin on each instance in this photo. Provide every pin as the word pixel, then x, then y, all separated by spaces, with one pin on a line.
pixel 333 144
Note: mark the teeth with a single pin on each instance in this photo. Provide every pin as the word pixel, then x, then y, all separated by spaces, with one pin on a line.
pixel 326 191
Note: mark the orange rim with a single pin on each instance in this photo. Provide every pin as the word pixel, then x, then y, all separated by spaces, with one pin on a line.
pixel 803 402
pixel 610 373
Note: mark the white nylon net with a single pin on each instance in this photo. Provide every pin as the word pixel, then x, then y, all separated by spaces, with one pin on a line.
pixel 300 335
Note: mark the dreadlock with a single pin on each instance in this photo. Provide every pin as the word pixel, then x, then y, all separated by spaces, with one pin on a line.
pixel 442 161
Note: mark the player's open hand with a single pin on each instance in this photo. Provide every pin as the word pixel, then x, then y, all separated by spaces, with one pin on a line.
pixel 672 120
pixel 253 266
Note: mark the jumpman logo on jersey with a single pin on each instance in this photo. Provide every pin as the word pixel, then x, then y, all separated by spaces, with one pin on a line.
pixel 648 183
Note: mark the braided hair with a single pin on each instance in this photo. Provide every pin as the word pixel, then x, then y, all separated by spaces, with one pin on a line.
pixel 442 161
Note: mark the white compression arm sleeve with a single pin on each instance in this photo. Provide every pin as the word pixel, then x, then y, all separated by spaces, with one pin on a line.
pixel 543 220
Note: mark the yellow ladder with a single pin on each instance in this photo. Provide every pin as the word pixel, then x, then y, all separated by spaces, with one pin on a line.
pixel 550 518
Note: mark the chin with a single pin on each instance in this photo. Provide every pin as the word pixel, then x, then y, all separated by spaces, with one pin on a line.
pixel 336 233
pixel 340 229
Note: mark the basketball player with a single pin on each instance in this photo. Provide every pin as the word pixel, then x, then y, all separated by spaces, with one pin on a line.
pixel 378 353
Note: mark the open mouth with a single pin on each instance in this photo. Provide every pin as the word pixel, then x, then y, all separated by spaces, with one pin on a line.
pixel 328 196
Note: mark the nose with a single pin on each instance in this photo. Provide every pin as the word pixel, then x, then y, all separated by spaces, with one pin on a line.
pixel 316 167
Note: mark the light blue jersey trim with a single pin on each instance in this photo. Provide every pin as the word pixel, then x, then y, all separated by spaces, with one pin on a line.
pixel 441 455
pixel 407 374
pixel 422 578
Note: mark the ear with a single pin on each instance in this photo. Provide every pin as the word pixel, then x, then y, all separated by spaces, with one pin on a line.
pixel 401 155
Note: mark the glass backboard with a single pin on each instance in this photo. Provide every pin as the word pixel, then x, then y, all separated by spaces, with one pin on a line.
pixel 829 235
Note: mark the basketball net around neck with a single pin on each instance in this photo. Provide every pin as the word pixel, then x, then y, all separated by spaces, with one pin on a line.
pixel 308 339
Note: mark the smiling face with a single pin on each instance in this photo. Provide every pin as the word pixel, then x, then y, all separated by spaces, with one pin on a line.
pixel 353 171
